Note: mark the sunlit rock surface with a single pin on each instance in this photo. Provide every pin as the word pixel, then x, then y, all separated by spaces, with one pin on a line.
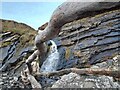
pixel 74 80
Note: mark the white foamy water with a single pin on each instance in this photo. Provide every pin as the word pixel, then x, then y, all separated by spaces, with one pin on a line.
pixel 52 61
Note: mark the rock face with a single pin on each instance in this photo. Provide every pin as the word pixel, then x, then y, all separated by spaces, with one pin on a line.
pixel 92 39
pixel 16 40
pixel 91 42
pixel 94 43
pixel 73 80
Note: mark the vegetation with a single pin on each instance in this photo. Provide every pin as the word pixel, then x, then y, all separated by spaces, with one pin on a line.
pixel 25 32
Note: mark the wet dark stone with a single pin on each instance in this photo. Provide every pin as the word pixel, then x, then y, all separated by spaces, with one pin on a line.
pixel 61 51
pixel 47 82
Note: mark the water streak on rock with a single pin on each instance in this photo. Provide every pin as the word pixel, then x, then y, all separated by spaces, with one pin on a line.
pixel 52 60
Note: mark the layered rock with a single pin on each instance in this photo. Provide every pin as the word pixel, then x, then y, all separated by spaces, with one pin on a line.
pixel 92 39
pixel 16 40
pixel 73 80
pixel 91 42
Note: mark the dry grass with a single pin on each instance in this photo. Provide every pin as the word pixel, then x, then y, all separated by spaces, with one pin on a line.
pixel 27 34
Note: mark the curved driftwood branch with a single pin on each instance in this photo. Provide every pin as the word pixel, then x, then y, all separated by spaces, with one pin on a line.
pixel 34 82
pixel 70 11
pixel 30 59
pixel 28 78
pixel 107 72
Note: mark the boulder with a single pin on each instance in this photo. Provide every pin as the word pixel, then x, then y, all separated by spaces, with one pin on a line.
pixel 73 80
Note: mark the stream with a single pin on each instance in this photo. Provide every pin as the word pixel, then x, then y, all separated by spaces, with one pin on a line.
pixel 52 60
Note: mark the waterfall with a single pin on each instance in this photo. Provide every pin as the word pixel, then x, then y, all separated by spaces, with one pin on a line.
pixel 52 60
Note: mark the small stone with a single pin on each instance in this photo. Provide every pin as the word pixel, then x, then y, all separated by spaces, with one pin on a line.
pixel 12 84
pixel 78 53
pixel 94 66
pixel 8 86
pixel 1 83
pixel 16 78
pixel 11 81
pixel 1 79
pixel 89 85
pixel 5 84
pixel 116 57
pixel 5 74
pixel 4 78
pixel 10 78
pixel 5 81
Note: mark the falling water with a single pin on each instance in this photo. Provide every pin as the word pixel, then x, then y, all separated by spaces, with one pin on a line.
pixel 52 60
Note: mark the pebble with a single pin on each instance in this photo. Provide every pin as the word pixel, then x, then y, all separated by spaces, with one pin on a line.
pixel 5 74
pixel 5 84
pixel 16 78
pixel 12 84
pixel 89 84
pixel 10 78
pixel 11 81
pixel 1 83
pixel 1 79
pixel 5 81
pixel 8 86
pixel 4 78
pixel 94 67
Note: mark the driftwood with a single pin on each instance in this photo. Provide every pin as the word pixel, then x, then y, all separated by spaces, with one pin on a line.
pixel 28 78
pixel 34 82
pixel 30 59
pixel 40 53
pixel 87 71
